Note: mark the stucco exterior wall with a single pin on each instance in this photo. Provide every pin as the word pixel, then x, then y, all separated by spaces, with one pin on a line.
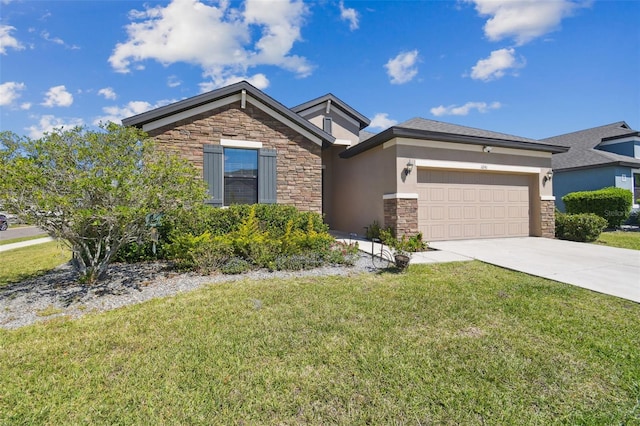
pixel 341 128
pixel 357 187
pixel 298 162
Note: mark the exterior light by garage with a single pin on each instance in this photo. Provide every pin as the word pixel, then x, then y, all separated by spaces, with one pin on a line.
pixel 487 149
pixel 548 177
pixel 409 167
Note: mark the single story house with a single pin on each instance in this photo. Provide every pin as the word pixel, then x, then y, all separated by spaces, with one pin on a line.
pixel 597 158
pixel 444 180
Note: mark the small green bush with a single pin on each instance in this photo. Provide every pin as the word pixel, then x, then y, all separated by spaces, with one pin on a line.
pixel 235 265
pixel 584 227
pixel 298 262
pixel 612 204
pixel 211 254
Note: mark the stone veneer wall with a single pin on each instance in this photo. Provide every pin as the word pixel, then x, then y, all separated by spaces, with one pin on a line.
pixel 548 218
pixel 298 161
pixel 401 214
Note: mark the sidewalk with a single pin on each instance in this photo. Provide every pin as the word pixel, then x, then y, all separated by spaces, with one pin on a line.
pixel 7 247
pixel 429 256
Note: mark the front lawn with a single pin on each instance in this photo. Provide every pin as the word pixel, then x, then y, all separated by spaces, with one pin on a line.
pixel 628 240
pixel 29 261
pixel 458 343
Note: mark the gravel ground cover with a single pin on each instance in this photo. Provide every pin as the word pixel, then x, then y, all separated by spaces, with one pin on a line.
pixel 58 293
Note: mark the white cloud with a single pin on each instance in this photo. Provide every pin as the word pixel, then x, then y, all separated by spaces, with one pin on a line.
pixel 259 80
pixel 524 20
pixel 25 106
pixel 10 92
pixel 464 109
pixel 7 40
pixel 402 68
pixel 117 113
pixel 58 96
pixel 48 123
pixel 350 15
pixel 173 81
pixel 57 40
pixel 382 121
pixel 222 40
pixel 108 93
pixel 496 65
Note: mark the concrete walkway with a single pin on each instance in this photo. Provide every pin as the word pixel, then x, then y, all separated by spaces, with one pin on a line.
pixel 7 247
pixel 607 270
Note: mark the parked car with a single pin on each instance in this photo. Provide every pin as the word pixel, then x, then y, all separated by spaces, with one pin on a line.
pixel 4 222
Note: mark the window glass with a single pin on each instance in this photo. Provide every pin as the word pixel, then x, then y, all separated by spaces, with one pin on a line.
pixel 240 176
pixel 636 188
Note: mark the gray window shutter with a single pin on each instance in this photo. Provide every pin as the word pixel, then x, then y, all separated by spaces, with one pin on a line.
pixel 267 176
pixel 213 168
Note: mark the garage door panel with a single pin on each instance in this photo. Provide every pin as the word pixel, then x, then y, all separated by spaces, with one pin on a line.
pixel 464 205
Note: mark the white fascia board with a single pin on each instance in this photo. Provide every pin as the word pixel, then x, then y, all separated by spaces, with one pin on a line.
pixel 401 195
pixel 334 110
pixel 464 147
pixel 547 198
pixel 240 144
pixel 345 142
pixel 481 167
pixel 191 112
pixel 284 120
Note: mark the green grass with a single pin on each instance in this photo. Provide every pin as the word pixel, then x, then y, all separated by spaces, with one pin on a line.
pixel 25 262
pixel 458 343
pixel 18 240
pixel 628 240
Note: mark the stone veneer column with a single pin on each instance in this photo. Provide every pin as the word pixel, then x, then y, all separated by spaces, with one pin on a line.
pixel 401 214
pixel 548 218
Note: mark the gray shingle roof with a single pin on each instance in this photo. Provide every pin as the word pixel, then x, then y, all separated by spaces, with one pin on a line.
pixel 423 129
pixel 583 151
pixel 418 123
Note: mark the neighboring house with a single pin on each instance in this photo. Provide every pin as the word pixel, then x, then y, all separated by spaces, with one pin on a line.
pixel 444 180
pixel 599 157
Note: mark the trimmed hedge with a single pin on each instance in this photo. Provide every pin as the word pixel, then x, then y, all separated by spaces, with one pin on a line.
pixel 612 204
pixel 584 227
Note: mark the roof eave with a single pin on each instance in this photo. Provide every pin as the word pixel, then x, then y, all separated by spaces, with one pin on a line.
pixel 393 132
pixel 186 104
pixel 599 165
pixel 338 103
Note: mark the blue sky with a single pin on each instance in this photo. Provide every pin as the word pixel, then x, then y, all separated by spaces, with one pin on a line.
pixel 529 68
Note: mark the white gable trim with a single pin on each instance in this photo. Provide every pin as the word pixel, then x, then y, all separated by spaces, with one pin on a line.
pixel 400 196
pixel 334 110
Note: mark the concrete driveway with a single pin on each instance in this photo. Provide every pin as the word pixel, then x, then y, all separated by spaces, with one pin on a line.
pixel 607 270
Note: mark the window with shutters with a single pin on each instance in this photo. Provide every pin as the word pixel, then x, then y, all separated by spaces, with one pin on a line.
pixel 239 175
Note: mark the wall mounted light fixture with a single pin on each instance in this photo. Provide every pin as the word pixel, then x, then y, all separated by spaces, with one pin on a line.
pixel 408 167
pixel 487 149
pixel 548 177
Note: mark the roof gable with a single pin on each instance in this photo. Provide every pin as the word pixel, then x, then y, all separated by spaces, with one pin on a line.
pixel 333 101
pixel 243 92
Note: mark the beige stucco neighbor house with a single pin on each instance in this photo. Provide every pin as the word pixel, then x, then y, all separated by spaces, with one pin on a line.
pixel 444 180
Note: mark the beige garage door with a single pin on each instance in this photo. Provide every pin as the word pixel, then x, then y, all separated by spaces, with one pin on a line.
pixel 464 205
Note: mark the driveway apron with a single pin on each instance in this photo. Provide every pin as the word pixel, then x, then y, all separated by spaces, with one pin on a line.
pixel 607 270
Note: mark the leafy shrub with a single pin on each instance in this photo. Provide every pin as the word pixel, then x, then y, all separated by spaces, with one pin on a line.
pixel 235 265
pixel 405 244
pixel 340 253
pixel 211 254
pixel 612 204
pixel 584 227
pixel 298 262
pixel 373 230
